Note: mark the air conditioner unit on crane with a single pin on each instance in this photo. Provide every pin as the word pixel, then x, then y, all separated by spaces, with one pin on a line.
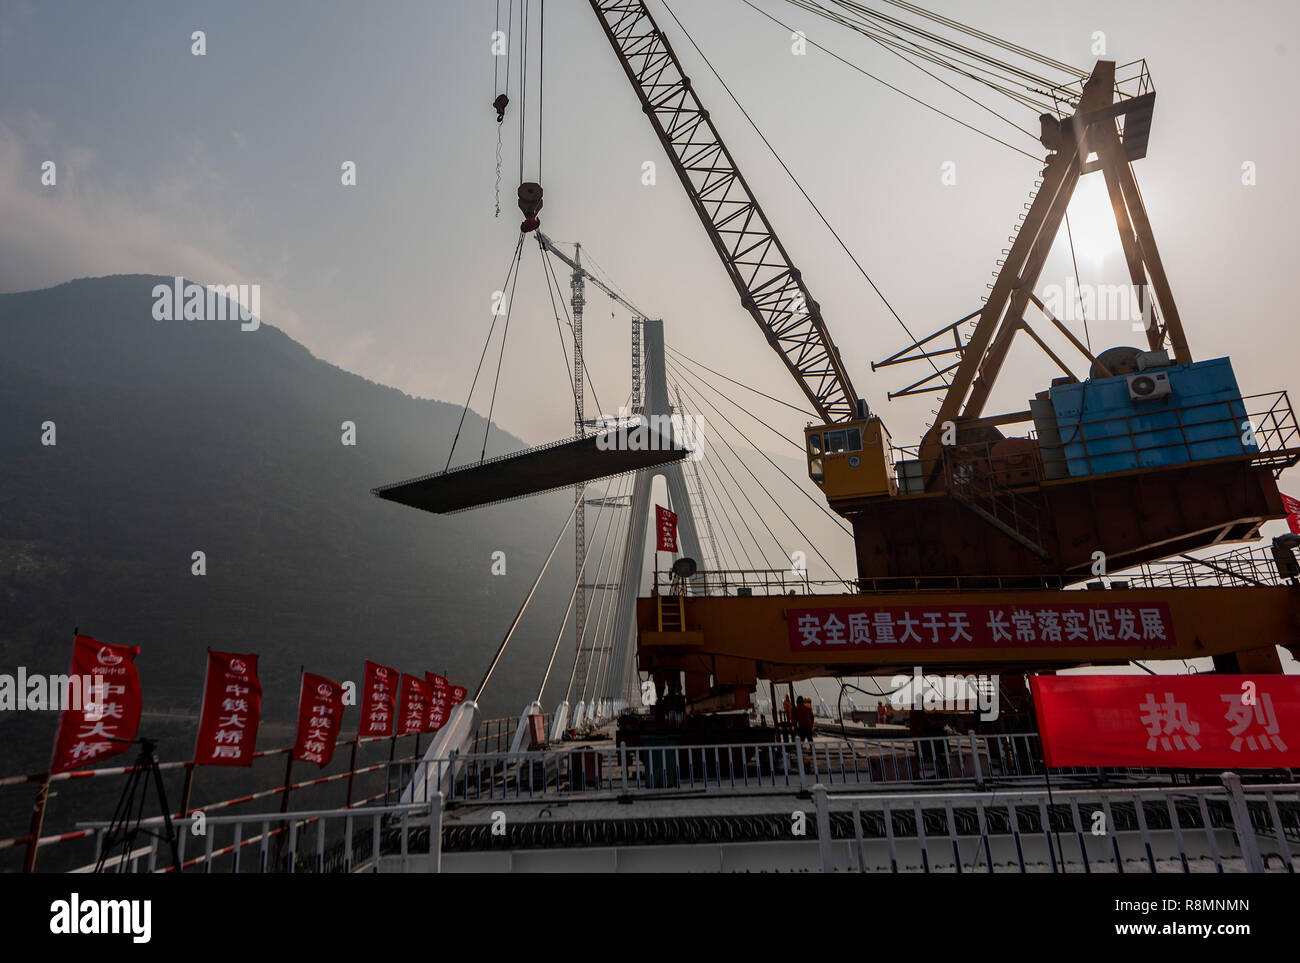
pixel 1148 385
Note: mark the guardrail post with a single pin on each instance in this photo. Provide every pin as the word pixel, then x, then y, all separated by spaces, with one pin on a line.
pixel 803 779
pixel 975 758
pixel 1241 823
pixel 823 828
pixel 435 832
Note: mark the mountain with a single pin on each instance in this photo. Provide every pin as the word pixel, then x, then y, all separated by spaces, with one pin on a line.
pixel 174 437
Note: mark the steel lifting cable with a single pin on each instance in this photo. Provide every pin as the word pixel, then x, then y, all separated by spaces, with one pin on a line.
pixel 868 25
pixel 487 428
pixel 1078 283
pixel 866 12
pixel 514 266
pixel 824 509
pixel 898 90
pixel 762 554
pixel 738 384
pixel 789 441
pixel 890 47
pixel 774 499
pixel 988 38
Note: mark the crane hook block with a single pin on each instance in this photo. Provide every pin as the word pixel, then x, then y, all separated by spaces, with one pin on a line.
pixel 530 202
pixel 499 105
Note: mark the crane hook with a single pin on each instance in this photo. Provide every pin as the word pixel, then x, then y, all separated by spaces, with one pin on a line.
pixel 530 202
pixel 499 105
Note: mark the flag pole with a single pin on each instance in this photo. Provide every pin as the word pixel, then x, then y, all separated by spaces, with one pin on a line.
pixel 43 790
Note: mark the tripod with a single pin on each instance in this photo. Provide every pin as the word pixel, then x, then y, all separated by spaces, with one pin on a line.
pixel 127 817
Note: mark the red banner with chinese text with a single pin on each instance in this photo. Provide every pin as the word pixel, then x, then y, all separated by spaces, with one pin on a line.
pixel 1179 721
pixel 439 701
pixel 666 525
pixel 320 717
pixel 413 705
pixel 109 709
pixel 378 700
pixel 1081 623
pixel 232 709
pixel 458 693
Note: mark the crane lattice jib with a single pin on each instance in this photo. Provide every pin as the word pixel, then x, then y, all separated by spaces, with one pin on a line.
pixel 770 286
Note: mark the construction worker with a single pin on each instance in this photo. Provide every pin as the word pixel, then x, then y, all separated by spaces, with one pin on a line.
pixel 786 712
pixel 803 719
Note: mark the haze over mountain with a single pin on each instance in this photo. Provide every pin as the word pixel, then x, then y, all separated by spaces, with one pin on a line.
pixel 182 436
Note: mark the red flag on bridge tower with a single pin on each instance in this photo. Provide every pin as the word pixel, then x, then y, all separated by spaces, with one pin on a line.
pixel 232 709
pixel 1292 506
pixel 667 528
pixel 108 714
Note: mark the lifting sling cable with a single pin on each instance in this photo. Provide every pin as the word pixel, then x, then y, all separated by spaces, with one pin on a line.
pixel 514 265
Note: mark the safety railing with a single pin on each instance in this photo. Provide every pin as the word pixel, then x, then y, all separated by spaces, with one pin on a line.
pixel 355 777
pixel 1225 828
pixel 607 770
pixel 341 841
pixel 1249 565
pixel 1132 79
pixel 716 582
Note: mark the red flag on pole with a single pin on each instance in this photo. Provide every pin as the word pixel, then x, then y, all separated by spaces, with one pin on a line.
pixel 439 702
pixel 378 700
pixel 458 693
pixel 320 717
pixel 107 710
pixel 667 526
pixel 413 705
pixel 232 708
pixel 1292 507
pixel 1178 721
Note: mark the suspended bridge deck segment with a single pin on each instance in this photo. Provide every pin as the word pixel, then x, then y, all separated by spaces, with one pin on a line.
pixel 534 471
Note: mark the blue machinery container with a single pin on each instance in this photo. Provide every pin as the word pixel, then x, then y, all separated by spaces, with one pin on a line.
pixel 1103 430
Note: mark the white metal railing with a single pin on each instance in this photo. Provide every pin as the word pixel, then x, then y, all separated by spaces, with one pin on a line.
pixel 1171 829
pixel 614 770
pixel 334 847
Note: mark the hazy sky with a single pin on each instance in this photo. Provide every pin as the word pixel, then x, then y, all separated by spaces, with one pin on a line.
pixel 226 168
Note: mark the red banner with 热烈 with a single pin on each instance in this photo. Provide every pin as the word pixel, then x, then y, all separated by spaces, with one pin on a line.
pixel 1177 721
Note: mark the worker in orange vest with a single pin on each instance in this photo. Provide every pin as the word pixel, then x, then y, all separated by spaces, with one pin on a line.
pixel 803 719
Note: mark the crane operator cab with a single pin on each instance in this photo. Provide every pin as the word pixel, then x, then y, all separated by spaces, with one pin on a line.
pixel 851 459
